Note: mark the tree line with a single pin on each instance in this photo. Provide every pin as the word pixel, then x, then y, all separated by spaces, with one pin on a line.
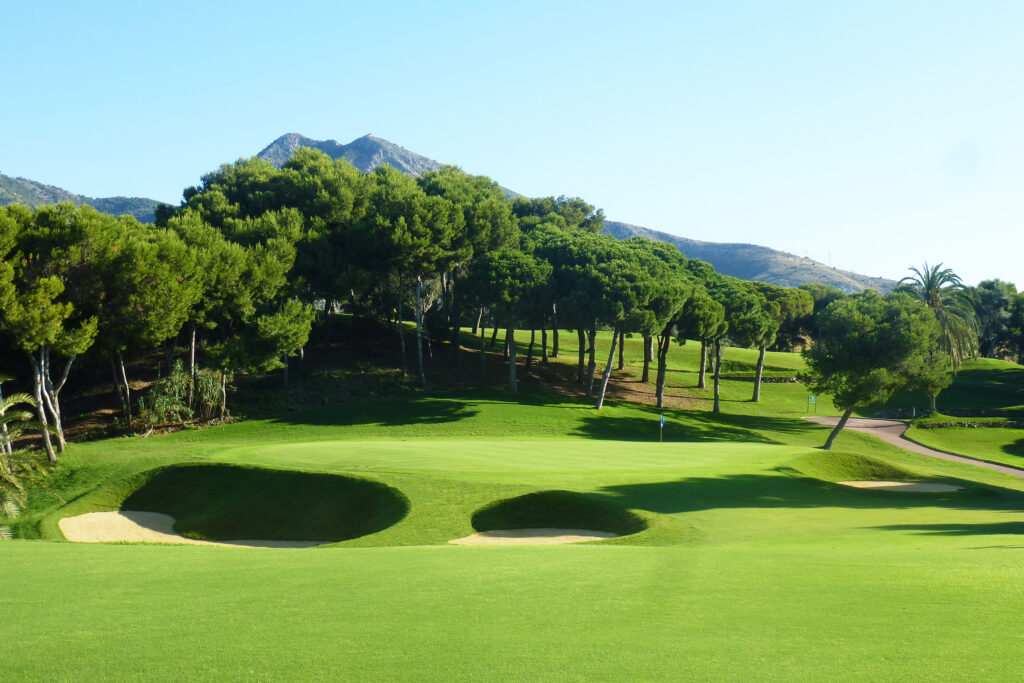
pixel 233 278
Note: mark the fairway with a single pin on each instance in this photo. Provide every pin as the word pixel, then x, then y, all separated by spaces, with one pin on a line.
pixel 746 560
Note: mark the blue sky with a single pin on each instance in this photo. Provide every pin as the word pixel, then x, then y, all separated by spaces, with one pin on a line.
pixel 869 135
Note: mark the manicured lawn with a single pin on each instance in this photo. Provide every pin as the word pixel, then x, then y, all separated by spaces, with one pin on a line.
pixel 754 563
pixel 998 444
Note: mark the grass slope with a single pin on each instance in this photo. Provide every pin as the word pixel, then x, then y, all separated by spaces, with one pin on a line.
pixel 753 562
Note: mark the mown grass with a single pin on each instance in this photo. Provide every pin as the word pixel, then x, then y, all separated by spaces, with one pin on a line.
pixel 753 564
pixel 997 444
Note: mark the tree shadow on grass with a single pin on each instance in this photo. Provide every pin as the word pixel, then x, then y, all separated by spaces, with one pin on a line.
pixel 759 423
pixel 779 491
pixel 387 412
pixel 603 426
pixel 1016 448
pixel 983 529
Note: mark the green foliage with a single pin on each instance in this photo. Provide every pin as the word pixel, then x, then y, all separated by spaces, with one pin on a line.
pixel 871 347
pixel 167 400
pixel 944 293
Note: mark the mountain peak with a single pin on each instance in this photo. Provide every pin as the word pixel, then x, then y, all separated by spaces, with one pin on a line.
pixel 365 153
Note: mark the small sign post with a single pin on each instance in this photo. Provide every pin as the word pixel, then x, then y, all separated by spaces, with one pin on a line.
pixel 812 401
pixel 661 429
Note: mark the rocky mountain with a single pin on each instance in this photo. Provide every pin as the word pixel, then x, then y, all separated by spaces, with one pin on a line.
pixel 365 153
pixel 34 193
pixel 754 262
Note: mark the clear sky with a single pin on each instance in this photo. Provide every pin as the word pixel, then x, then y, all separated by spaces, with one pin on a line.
pixel 869 135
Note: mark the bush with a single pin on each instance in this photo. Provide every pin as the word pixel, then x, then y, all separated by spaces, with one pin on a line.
pixel 167 399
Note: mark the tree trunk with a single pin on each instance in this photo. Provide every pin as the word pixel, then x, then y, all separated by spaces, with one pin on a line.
pixel 581 351
pixel 419 333
pixel 127 390
pixel 622 345
pixel 192 370
pixel 453 317
pixel 592 359
pixel 328 306
pixel 223 394
pixel 663 343
pixel 170 346
pixel 835 431
pixel 494 334
pixel 5 443
pixel 703 363
pixel 544 345
pixel 510 342
pixel 757 375
pixel 483 353
pixel 51 394
pixel 401 331
pixel 529 350
pixel 37 389
pixel 285 373
pixel 554 330
pixel 479 319
pixel 118 386
pixel 718 375
pixel 931 403
pixel 616 336
pixel 648 342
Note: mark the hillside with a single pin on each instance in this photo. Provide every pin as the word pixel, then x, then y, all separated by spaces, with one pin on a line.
pixel 34 193
pixel 754 262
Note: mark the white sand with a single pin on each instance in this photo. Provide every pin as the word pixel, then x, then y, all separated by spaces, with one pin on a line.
pixel 901 486
pixel 544 536
pixel 148 527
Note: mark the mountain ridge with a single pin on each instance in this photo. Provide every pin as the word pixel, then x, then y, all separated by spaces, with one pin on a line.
pixel 745 261
pixel 756 262
pixel 33 193
pixel 365 153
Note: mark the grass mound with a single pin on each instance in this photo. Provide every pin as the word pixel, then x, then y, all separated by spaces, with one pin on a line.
pixel 226 502
pixel 557 509
pixel 842 466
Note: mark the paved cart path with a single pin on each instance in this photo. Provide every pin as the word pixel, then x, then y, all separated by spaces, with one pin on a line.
pixel 892 432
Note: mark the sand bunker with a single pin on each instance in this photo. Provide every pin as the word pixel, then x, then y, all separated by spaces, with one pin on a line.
pixel 533 537
pixel 901 486
pixel 148 527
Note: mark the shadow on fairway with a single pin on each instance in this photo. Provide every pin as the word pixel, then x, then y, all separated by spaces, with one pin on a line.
pixel 1015 448
pixel 387 412
pixel 223 502
pixel 959 529
pixel 780 491
pixel 599 426
pixel 691 427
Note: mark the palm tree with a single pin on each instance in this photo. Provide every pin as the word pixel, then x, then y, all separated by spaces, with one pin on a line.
pixel 943 291
pixel 16 465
